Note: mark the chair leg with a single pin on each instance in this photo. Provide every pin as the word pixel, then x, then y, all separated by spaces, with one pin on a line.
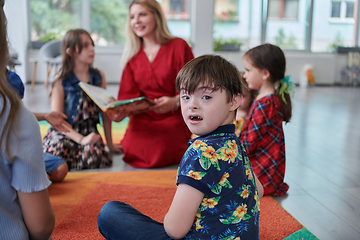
pixel 33 77
pixel 49 66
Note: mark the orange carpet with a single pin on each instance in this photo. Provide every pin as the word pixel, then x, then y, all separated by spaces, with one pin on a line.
pixel 78 200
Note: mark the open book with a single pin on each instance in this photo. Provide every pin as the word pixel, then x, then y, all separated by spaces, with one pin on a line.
pixel 106 102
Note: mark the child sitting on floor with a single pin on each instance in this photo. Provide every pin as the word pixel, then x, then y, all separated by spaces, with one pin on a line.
pixel 217 192
pixel 82 146
pixel 55 166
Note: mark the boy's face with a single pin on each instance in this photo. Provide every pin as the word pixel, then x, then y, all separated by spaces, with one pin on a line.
pixel 205 109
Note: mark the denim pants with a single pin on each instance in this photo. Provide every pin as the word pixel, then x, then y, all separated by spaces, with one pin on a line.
pixel 118 220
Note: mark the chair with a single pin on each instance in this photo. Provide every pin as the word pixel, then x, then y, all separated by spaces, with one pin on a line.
pixel 13 59
pixel 50 53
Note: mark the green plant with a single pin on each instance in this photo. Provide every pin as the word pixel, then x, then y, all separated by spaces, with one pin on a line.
pixel 338 42
pixel 49 36
pixel 286 43
pixel 280 37
pixel 220 41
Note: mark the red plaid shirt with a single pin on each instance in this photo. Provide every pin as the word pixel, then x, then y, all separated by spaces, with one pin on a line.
pixel 263 138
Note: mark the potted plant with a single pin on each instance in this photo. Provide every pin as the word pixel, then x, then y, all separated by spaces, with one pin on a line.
pixel 42 40
pixel 231 45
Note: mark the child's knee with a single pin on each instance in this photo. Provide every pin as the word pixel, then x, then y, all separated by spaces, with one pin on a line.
pixel 59 173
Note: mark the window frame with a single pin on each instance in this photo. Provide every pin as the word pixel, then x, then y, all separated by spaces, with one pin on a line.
pixel 264 5
pixel 282 12
pixel 342 18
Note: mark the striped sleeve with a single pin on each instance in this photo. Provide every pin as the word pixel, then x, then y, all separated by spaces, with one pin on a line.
pixel 28 169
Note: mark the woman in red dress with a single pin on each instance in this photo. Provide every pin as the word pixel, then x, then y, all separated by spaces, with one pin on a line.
pixel 151 61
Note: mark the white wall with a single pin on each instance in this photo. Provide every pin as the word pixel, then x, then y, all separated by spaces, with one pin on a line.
pixel 327 67
pixel 107 60
pixel 18 33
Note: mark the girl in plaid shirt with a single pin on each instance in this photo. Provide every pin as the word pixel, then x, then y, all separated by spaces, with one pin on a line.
pixel 262 134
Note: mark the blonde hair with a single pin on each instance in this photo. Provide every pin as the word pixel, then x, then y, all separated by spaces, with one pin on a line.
pixel 6 93
pixel 133 42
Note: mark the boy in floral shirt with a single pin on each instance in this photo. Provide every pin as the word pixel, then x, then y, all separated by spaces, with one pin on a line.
pixel 215 169
pixel 218 195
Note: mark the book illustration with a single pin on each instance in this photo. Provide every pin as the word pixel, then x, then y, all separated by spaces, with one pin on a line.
pixel 106 102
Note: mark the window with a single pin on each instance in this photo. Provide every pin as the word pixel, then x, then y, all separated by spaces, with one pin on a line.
pixel 177 6
pixel 349 10
pixel 176 9
pixel 108 21
pixel 342 11
pixel 284 26
pixel 226 11
pixel 51 19
pixel 335 9
pixel 283 9
pixel 229 27
pixel 336 31
pixel 177 14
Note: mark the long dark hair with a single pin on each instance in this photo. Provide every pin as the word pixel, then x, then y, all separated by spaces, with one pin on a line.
pixel 272 58
pixel 71 40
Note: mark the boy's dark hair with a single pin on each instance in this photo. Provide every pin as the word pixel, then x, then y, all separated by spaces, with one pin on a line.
pixel 272 58
pixel 210 70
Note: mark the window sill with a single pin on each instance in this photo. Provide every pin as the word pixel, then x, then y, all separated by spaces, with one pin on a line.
pixel 341 20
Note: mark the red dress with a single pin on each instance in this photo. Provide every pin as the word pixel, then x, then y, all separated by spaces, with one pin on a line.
pixel 154 139
pixel 263 138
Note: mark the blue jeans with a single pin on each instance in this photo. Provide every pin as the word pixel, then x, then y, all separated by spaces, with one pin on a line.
pixel 52 162
pixel 118 220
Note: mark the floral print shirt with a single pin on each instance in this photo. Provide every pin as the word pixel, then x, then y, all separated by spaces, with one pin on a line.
pixel 217 165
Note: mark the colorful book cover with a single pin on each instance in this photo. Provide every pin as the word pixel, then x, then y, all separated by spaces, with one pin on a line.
pixel 106 102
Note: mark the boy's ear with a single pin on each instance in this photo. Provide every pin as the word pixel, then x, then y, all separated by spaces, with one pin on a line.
pixel 68 51
pixel 235 104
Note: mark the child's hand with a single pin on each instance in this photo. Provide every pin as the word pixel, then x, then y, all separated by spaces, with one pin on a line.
pixel 117 116
pixel 115 148
pixel 89 139
pixel 56 119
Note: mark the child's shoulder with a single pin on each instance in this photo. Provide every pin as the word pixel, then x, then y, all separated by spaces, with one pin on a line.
pixel 268 101
pixel 95 70
pixel 267 108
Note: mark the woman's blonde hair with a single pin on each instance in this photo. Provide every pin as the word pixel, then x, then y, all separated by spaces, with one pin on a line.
pixel 6 93
pixel 133 42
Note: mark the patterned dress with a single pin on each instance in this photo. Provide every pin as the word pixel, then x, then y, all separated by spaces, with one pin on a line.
pixel 263 138
pixel 78 156
pixel 217 165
